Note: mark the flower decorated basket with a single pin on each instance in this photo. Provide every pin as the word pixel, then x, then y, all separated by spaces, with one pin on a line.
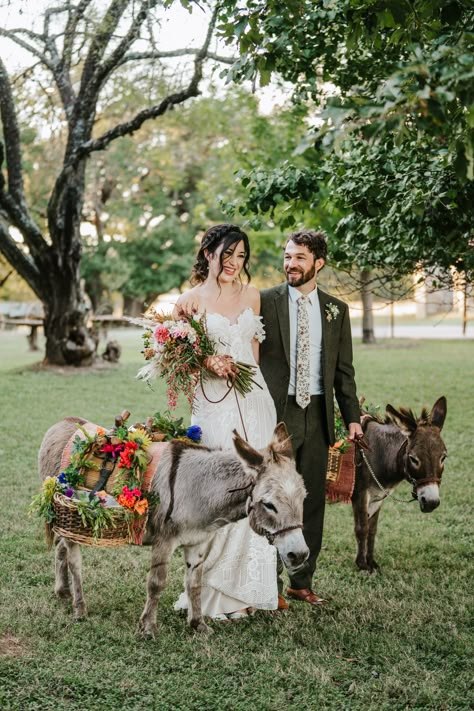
pixel 102 495
pixel 69 523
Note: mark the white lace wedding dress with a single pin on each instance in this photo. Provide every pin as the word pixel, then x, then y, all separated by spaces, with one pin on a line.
pixel 240 570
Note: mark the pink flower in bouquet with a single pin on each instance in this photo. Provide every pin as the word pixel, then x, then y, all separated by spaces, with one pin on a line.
pixel 161 334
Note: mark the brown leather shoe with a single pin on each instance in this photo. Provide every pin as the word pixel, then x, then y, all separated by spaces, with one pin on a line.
pixel 282 604
pixel 305 595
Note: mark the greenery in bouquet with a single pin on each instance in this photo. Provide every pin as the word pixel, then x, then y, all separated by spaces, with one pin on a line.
pixel 125 448
pixel 342 444
pixel 177 349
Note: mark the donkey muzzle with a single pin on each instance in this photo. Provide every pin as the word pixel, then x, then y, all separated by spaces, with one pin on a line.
pixel 428 498
pixel 292 549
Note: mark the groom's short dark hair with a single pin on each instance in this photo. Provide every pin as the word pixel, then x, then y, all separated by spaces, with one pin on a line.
pixel 314 240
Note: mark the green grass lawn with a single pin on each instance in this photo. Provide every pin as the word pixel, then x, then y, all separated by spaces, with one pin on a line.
pixel 401 639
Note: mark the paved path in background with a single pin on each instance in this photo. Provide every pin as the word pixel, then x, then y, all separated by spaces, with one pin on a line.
pixel 439 331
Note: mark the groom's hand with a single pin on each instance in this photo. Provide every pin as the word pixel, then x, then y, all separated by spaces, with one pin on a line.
pixel 355 431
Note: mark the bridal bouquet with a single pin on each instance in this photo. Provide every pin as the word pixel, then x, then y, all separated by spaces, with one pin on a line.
pixel 179 350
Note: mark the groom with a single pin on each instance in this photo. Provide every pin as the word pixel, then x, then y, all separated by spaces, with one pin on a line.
pixel 306 359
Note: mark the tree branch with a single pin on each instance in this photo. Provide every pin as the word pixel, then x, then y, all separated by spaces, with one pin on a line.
pixel 98 47
pixel 10 34
pixel 14 203
pixel 138 56
pixel 104 69
pixel 21 262
pixel 153 112
pixel 11 132
pixel 74 17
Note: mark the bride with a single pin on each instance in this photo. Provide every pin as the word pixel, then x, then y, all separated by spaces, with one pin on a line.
pixel 240 571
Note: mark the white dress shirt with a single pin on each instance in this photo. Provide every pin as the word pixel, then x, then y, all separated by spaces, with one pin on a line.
pixel 315 340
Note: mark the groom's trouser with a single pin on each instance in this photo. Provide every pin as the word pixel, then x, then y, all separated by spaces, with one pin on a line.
pixel 310 446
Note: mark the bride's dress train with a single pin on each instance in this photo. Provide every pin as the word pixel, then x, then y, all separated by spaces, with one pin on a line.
pixel 240 570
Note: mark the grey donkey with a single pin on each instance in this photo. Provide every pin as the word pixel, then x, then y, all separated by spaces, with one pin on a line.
pixel 200 490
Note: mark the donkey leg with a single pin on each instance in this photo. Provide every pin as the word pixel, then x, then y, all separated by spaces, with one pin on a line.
pixel 373 521
pixel 61 583
pixel 74 560
pixel 160 557
pixel 361 527
pixel 195 557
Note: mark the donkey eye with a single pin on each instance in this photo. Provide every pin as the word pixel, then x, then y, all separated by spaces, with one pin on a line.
pixel 414 460
pixel 443 457
pixel 269 506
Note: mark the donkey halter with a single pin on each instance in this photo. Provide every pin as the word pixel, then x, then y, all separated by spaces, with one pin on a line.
pixel 416 483
pixel 270 536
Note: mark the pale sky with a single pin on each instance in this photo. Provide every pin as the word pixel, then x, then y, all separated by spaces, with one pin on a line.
pixel 180 29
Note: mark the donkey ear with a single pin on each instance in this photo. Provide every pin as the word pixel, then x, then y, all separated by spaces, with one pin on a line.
pixel 403 419
pixel 252 457
pixel 281 442
pixel 438 412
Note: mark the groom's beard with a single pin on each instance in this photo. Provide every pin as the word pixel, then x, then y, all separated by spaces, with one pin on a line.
pixel 298 277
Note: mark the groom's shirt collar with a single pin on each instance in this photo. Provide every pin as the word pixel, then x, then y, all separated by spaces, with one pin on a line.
pixel 295 294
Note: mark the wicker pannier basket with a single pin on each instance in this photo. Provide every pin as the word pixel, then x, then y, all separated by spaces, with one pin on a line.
pixel 68 524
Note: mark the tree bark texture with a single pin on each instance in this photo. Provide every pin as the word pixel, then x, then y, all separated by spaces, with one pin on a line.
pixel 368 334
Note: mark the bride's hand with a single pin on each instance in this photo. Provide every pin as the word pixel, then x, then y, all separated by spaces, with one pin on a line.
pixel 221 365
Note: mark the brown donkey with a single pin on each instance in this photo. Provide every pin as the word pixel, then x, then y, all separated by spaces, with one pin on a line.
pixel 401 448
pixel 200 490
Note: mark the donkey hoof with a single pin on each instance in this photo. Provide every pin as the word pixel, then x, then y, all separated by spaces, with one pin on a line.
pixel 201 627
pixel 63 593
pixel 80 613
pixel 147 631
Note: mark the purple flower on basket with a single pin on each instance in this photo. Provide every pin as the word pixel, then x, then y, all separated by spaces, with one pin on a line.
pixel 194 433
pixel 69 492
pixel 62 479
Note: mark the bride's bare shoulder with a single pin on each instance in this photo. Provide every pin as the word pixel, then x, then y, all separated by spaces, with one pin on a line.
pixel 252 298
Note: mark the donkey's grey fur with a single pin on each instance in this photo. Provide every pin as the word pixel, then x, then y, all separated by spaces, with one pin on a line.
pixel 402 447
pixel 195 487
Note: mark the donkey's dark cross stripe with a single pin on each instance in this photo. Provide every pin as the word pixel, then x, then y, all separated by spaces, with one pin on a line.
pixel 176 452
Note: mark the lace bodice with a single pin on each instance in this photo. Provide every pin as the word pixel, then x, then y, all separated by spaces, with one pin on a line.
pixel 235 339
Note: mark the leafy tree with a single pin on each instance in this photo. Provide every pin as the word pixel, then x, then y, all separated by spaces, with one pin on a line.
pixel 389 86
pixel 79 50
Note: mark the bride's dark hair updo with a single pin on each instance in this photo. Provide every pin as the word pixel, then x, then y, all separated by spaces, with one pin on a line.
pixel 225 235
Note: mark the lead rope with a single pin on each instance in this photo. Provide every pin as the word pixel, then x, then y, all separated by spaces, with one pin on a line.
pixel 231 386
pixel 387 493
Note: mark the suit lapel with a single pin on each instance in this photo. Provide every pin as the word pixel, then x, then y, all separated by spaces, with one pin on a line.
pixel 281 304
pixel 324 335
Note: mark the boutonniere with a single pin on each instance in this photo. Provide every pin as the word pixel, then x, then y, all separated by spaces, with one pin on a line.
pixel 332 312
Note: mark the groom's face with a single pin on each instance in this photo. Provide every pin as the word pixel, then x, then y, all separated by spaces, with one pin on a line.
pixel 299 264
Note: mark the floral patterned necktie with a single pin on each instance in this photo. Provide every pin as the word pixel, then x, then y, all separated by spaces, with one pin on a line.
pixel 303 396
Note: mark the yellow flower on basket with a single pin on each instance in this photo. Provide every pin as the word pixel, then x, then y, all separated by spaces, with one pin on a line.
pixel 141 436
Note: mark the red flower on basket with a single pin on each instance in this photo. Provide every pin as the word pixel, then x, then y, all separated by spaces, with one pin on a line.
pixel 132 499
pixel 127 454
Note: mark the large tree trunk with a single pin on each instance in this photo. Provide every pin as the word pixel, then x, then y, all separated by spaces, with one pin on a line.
pixel 68 341
pixel 368 334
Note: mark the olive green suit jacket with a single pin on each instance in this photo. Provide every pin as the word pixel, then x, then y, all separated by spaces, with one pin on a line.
pixel 337 368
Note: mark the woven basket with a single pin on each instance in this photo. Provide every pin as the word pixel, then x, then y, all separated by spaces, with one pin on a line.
pixel 334 464
pixel 68 524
